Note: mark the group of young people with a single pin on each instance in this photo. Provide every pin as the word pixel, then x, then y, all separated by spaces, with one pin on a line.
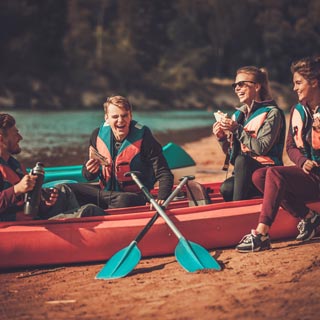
pixel 123 144
pixel 253 139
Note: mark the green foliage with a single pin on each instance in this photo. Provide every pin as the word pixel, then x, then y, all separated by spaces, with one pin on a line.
pixel 54 52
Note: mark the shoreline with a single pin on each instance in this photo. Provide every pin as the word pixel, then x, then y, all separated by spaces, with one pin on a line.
pixel 76 154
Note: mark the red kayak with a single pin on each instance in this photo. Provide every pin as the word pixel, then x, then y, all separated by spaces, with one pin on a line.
pixel 216 225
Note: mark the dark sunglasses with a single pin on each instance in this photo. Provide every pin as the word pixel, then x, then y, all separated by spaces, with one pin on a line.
pixel 241 84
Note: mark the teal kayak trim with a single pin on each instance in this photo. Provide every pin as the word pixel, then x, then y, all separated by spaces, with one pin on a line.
pixel 177 157
pixel 64 168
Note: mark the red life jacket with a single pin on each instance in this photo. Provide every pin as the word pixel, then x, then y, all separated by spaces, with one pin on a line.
pixel 10 178
pixel 127 159
pixel 252 126
pixel 305 135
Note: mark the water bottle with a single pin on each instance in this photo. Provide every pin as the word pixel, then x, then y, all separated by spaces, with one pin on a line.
pixel 33 197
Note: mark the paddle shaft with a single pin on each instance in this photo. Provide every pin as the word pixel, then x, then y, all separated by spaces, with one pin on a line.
pixel 191 256
pixel 166 203
pixel 156 206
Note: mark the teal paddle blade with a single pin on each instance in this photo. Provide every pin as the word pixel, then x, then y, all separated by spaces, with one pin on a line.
pixel 193 257
pixel 121 263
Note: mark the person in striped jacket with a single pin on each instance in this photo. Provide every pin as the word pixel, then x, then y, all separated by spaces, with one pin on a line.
pixel 292 186
pixel 253 137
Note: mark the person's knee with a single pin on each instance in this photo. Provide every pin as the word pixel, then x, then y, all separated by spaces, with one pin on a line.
pixel 63 188
pixel 240 162
pixel 226 191
pixel 272 172
pixel 258 178
pixel 273 175
pixel 90 210
pixel 269 174
pixel 125 199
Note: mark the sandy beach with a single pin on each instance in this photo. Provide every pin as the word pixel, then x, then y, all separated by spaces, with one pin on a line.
pixel 281 283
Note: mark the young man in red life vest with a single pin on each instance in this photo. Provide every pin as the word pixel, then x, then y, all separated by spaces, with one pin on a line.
pixel 118 146
pixel 15 183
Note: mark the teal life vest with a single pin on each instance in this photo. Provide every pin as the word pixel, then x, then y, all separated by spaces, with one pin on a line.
pixel 252 126
pixel 126 158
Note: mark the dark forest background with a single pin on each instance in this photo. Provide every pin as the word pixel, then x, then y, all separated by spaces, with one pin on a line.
pixel 60 54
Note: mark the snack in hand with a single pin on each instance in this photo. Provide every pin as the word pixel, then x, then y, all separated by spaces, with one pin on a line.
pixel 94 154
pixel 316 122
pixel 219 115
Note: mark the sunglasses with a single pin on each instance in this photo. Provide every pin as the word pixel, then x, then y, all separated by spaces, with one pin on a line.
pixel 241 84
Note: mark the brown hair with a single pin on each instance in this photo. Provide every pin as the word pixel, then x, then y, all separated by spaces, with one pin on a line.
pixel 6 122
pixel 308 67
pixel 118 101
pixel 261 77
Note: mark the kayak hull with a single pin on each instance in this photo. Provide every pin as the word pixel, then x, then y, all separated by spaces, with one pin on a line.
pixel 217 225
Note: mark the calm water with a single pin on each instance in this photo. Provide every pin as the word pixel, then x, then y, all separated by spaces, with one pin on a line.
pixel 64 128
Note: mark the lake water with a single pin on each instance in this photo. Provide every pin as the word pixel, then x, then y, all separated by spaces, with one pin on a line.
pixel 42 129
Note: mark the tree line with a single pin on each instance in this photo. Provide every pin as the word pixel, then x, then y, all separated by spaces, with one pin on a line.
pixel 73 53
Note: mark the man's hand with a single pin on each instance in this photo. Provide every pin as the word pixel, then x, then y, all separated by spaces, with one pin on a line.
pixel 160 203
pixel 52 196
pixel 309 165
pixel 93 165
pixel 26 184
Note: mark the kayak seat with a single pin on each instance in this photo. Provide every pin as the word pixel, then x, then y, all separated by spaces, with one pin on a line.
pixel 197 194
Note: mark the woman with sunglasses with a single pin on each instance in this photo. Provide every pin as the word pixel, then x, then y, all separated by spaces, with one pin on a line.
pixel 292 186
pixel 253 137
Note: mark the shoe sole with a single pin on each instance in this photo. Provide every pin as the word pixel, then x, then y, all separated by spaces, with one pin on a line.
pixel 309 238
pixel 255 250
pixel 312 234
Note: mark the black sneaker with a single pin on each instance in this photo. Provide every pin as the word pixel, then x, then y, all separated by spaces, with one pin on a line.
pixel 254 242
pixel 307 227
